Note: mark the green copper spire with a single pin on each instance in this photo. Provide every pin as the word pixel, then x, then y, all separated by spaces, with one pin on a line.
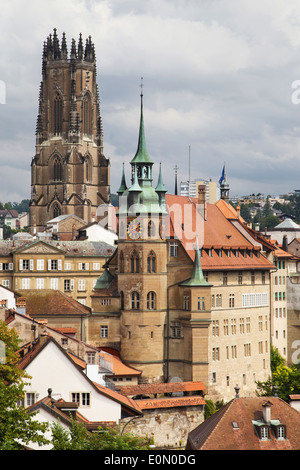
pixel 123 185
pixel 197 278
pixel 160 185
pixel 141 155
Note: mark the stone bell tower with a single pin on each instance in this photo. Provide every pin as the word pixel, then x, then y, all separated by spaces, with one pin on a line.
pixel 69 172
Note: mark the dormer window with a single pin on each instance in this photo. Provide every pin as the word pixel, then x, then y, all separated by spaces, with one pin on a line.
pixel 264 433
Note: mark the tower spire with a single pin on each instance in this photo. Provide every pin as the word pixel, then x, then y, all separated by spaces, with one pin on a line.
pixel 197 278
pixel 141 155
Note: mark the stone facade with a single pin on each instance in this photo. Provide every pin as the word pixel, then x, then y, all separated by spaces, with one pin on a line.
pixel 69 172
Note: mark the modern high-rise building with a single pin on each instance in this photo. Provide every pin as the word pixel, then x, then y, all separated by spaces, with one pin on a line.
pixel 69 172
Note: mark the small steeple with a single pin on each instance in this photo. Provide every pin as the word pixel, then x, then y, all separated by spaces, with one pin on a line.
pixel 80 48
pixel 123 185
pixel 64 49
pixel 197 278
pixel 160 188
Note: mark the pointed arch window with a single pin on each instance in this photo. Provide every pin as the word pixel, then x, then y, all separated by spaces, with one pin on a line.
pixel 151 262
pixel 57 114
pixel 121 262
pixel 87 114
pixel 135 300
pixel 151 300
pixel 57 169
pixel 56 210
pixel 135 262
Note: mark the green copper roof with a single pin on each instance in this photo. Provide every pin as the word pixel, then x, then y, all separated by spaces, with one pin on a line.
pixel 160 185
pixel 123 185
pixel 197 278
pixel 103 281
pixel 141 155
pixel 135 185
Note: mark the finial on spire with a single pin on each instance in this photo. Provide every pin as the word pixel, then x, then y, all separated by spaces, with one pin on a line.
pixel 142 85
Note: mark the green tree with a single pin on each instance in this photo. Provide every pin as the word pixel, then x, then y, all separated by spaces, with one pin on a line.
pixel 16 424
pixel 286 378
pixel 105 439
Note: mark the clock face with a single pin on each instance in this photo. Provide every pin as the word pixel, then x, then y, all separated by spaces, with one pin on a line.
pixel 134 230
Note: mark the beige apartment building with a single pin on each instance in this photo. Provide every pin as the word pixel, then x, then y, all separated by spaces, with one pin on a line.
pixel 72 267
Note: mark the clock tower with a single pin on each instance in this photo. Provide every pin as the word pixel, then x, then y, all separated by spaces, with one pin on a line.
pixel 142 265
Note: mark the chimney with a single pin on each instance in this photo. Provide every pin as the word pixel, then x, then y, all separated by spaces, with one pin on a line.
pixel 238 211
pixel 202 200
pixel 285 243
pixel 267 412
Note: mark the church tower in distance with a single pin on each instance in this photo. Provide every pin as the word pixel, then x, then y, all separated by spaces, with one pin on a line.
pixel 69 172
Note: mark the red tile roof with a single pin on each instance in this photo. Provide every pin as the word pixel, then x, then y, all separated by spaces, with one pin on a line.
pixel 160 388
pixel 216 232
pixel 52 302
pixel 171 402
pixel 218 432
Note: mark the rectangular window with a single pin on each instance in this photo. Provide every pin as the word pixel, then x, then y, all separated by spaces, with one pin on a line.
pixel 104 331
pixel 40 283
pixel 81 285
pixel 54 283
pixel 25 283
pixel 54 264
pixel 5 283
pixel 96 266
pixel 175 329
pixel 85 399
pixel 173 249
pixel 40 265
pixel 231 300
pixel 225 278
pixel 76 398
pixel 83 266
pixel 91 357
pixel 30 399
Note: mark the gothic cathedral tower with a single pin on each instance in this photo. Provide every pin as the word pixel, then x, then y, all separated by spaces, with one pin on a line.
pixel 69 172
pixel 142 266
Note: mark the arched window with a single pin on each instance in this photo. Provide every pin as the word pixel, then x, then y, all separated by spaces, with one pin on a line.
pixel 57 128
pixel 135 301
pixel 135 262
pixel 87 114
pixel 151 301
pixel 121 262
pixel 151 262
pixel 186 302
pixel 56 210
pixel 57 169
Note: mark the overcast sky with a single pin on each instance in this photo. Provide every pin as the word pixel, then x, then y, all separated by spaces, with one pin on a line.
pixel 218 79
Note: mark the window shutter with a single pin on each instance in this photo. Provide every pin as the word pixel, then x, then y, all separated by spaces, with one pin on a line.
pixel 59 264
pixel 72 284
pixel 11 266
pixel 31 264
pixel 87 266
pixel 80 266
pixel 20 264
pixel 1 266
pixel 49 264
